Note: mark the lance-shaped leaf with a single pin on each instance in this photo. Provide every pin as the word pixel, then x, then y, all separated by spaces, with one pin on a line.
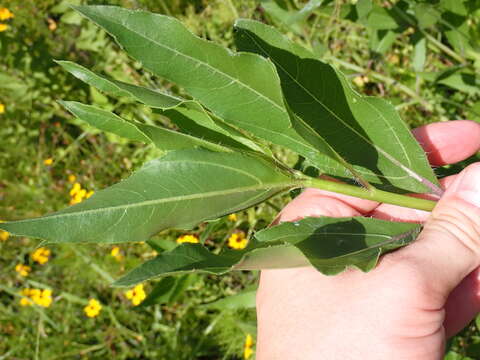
pixel 290 18
pixel 105 121
pixel 196 257
pixel 150 97
pixel 192 119
pixel 243 89
pixel 187 114
pixel 177 190
pixel 162 138
pixel 329 244
pixel 333 244
pixel 367 132
pixel 243 300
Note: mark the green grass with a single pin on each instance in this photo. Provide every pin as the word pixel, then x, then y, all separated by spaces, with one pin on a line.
pixel 35 127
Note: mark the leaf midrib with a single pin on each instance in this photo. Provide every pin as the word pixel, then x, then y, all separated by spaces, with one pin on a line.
pixel 263 186
pixel 390 239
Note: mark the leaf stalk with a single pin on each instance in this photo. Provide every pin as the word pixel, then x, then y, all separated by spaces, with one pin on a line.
pixel 370 194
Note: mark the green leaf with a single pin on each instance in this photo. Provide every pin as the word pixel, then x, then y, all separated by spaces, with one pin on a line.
pixel 464 81
pixel 281 16
pixel 149 97
pixel 196 257
pixel 367 132
pixel 381 40
pixel 184 258
pixel 187 114
pixel 192 119
pixel 163 139
pixel 380 18
pixel 243 89
pixel 161 293
pixel 105 120
pixel 243 300
pixel 168 290
pixel 161 244
pixel 177 190
pixel 426 14
pixel 419 55
pixel 363 7
pixel 331 245
pixel 182 283
pixel 306 11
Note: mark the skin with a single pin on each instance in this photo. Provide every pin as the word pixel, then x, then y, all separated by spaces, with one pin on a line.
pixel 412 301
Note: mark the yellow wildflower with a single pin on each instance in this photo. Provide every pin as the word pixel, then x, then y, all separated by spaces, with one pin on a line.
pixel 25 301
pixel 4 235
pixel 48 161
pixel 410 30
pixel 52 25
pixel 41 255
pixel 237 240
pixel 72 178
pixel 78 194
pixel 136 295
pixel 23 270
pixel 5 14
pixel 232 217
pixel 2 108
pixel 75 189
pixel 93 308
pixel 188 239
pixel 115 252
pixel 360 81
pixel 45 299
pixel 3 27
pixel 247 347
pixel 393 59
pixel 39 297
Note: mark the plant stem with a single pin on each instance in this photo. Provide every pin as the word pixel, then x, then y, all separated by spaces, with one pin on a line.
pixel 370 194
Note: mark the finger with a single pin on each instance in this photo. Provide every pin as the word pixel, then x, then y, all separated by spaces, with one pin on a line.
pixel 448 248
pixel 313 203
pixel 440 141
pixel 398 213
pixel 463 304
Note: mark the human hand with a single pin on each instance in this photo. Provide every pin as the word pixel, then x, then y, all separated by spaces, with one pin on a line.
pixel 412 301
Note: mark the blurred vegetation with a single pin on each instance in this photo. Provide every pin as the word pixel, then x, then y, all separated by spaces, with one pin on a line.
pixel 421 55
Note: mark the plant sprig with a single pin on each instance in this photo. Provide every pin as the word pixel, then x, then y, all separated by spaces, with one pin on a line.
pixel 272 91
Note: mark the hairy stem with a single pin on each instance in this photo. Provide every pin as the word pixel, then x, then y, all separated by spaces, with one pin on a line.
pixel 369 194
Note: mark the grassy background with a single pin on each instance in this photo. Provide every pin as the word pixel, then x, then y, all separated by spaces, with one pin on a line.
pixel 182 324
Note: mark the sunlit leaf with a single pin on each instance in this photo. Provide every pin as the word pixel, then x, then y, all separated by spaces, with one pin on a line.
pixel 187 114
pixel 242 89
pixel 331 245
pixel 177 190
pixel 243 300
pixel 365 131
pixel 162 138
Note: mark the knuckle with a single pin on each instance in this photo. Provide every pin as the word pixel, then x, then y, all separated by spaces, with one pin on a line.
pixel 461 221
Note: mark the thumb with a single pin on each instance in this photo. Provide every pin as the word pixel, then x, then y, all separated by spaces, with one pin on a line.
pixel 448 248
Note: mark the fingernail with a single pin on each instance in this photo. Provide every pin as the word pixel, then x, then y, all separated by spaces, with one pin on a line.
pixel 468 185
